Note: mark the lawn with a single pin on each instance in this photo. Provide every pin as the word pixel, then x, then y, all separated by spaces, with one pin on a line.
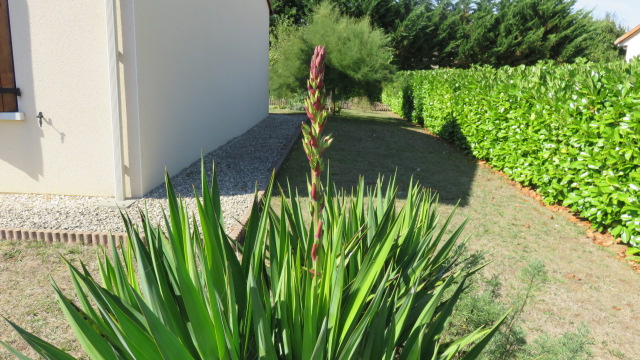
pixel 26 296
pixel 587 285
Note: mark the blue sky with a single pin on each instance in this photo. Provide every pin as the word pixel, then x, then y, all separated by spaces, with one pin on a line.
pixel 627 11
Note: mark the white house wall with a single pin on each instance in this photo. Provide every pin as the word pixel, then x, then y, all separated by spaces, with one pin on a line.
pixel 202 78
pixel 633 47
pixel 60 58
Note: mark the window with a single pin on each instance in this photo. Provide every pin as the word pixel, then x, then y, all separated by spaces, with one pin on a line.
pixel 8 91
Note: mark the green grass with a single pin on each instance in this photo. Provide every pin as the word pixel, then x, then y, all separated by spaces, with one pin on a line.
pixel 509 227
pixel 369 143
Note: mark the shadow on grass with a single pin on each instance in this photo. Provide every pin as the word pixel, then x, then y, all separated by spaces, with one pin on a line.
pixel 375 143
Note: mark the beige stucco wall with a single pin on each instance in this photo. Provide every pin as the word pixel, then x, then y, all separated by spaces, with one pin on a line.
pixel 633 47
pixel 60 55
pixel 193 77
pixel 201 79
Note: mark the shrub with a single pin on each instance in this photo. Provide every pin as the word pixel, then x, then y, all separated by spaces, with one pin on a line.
pixel 481 304
pixel 571 131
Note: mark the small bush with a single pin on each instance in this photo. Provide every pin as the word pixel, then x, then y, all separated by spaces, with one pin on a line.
pixel 483 303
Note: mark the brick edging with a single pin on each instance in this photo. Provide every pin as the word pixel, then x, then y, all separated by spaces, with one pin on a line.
pixel 62 236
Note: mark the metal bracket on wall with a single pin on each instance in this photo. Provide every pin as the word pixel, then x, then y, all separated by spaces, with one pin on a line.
pixel 15 91
pixel 40 117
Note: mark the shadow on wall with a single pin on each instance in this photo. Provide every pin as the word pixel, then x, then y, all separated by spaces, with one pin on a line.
pixel 20 141
pixel 49 122
pixel 388 146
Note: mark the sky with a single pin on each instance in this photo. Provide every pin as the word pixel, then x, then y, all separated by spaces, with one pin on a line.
pixel 627 11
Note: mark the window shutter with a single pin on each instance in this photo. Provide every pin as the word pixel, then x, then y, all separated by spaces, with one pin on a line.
pixel 8 92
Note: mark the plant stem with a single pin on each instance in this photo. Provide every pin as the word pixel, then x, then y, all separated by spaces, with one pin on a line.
pixel 315 145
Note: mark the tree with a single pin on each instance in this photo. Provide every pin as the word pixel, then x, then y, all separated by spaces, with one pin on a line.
pixel 534 30
pixel 415 39
pixel 406 22
pixel 426 34
pixel 602 48
pixel 480 35
pixel 358 55
pixel 294 11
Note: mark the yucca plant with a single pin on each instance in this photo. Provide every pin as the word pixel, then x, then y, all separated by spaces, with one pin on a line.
pixel 363 280
pixel 187 293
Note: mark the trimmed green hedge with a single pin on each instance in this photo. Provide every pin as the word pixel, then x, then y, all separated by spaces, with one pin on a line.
pixel 571 131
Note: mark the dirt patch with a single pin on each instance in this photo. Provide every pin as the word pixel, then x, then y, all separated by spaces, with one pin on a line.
pixel 26 296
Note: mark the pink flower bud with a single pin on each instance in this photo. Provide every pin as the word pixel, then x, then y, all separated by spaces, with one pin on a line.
pixel 319 55
pixel 314 193
pixel 309 114
pixel 314 251
pixel 319 230
pixel 315 273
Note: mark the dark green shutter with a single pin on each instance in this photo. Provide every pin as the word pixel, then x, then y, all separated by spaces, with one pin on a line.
pixel 8 92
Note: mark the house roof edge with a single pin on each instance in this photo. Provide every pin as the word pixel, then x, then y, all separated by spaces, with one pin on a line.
pixel 624 37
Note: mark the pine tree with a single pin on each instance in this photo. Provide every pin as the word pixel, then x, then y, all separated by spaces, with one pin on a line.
pixel 415 39
pixel 480 36
pixel 534 30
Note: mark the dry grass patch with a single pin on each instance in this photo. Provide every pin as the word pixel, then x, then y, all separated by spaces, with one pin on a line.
pixel 26 296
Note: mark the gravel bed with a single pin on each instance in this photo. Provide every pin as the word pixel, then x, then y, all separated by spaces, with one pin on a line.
pixel 240 164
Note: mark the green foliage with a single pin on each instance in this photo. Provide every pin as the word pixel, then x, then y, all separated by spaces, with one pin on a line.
pixel 571 131
pixel 483 303
pixel 601 41
pixel 358 61
pixel 294 11
pixel 532 30
pixel 186 293
pixel 285 61
pixel 568 346
pixel 459 33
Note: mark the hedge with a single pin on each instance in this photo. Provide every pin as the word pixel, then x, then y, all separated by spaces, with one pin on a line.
pixel 571 131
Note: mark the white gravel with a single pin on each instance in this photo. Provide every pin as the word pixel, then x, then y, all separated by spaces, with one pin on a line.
pixel 240 163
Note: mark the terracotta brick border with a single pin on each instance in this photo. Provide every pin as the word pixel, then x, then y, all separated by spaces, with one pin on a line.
pixel 102 238
pixel 62 236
